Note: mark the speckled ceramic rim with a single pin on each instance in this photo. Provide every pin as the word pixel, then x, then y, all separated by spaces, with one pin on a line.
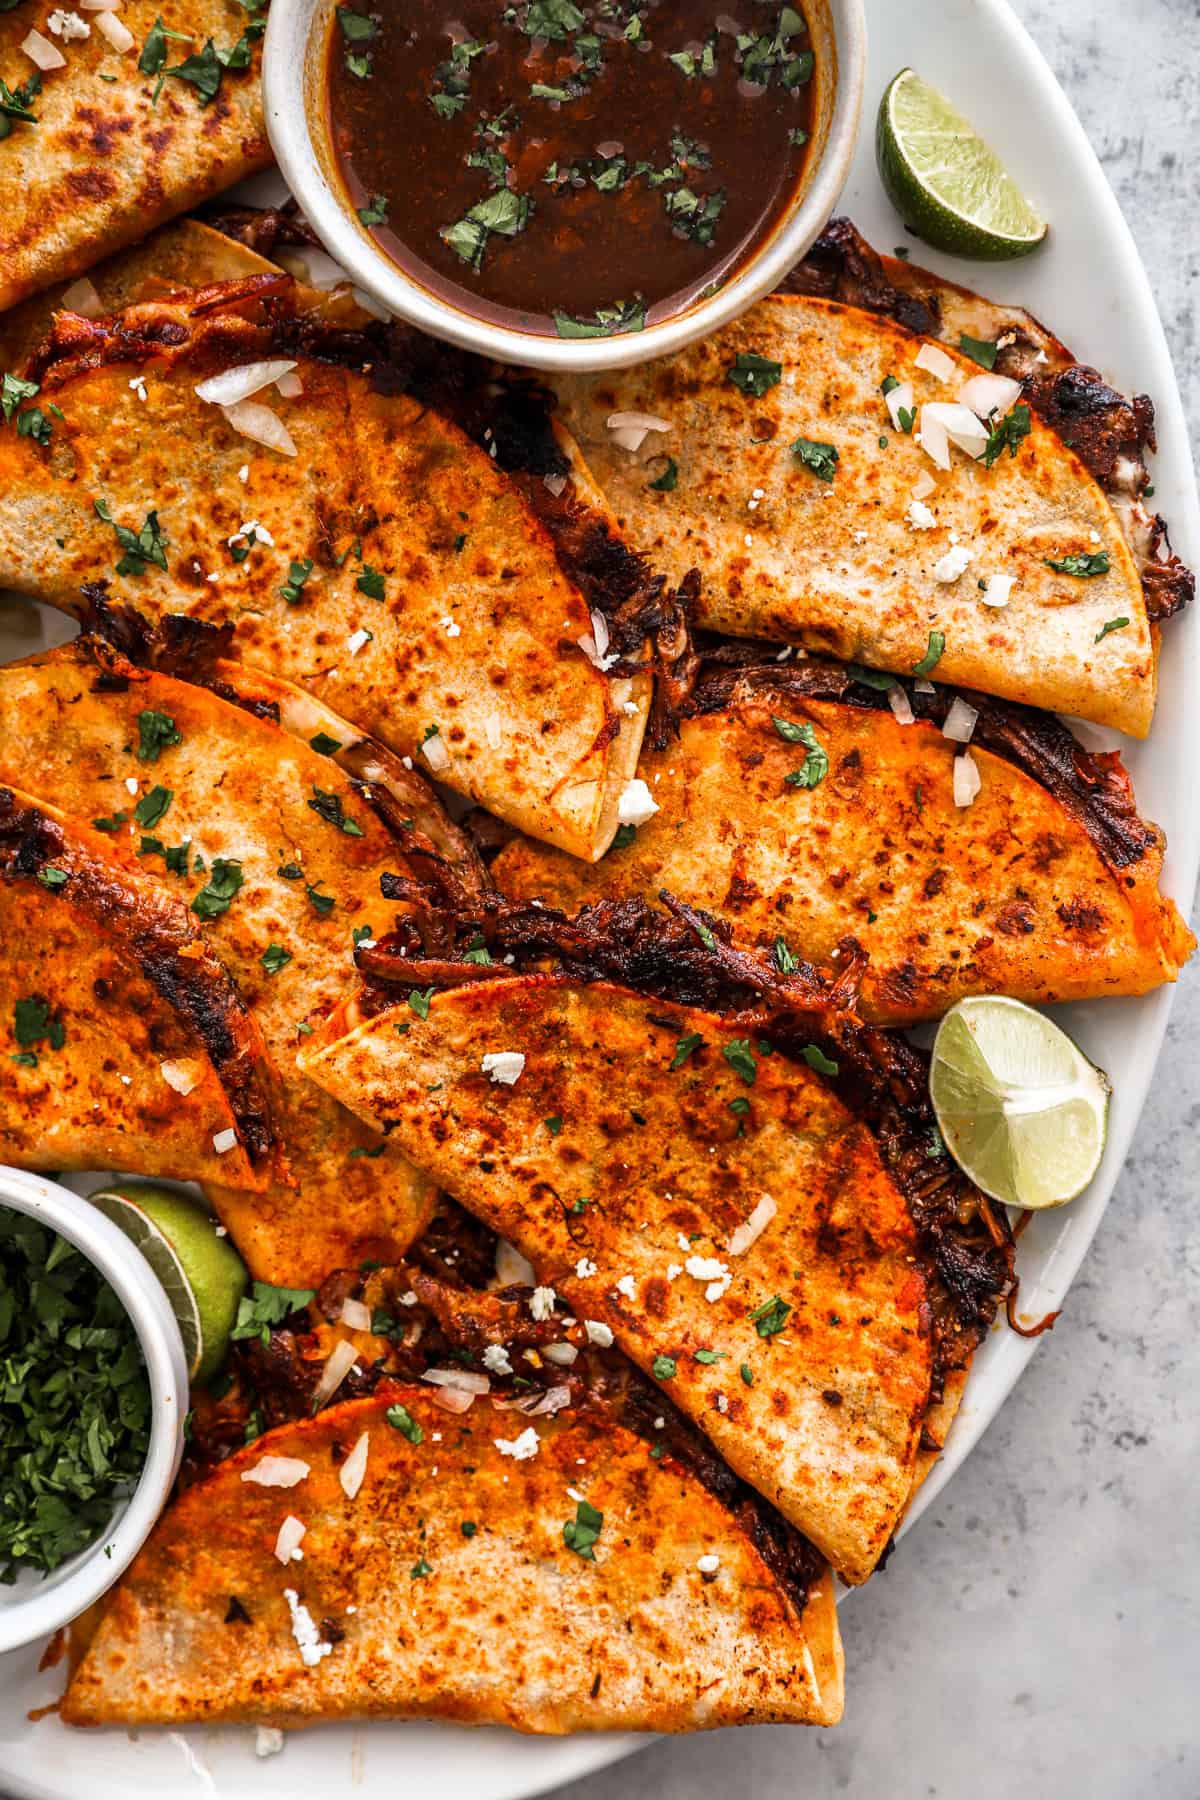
pixel 291 78
pixel 28 1612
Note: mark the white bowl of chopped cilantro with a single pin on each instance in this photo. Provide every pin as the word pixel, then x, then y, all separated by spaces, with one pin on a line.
pixel 93 1398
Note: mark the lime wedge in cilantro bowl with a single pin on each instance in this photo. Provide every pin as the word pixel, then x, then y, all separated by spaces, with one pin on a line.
pixel 75 1408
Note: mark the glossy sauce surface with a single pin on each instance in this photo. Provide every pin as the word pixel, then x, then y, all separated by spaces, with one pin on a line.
pixel 569 168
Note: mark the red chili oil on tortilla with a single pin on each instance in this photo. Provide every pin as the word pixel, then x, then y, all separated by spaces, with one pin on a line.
pixel 563 167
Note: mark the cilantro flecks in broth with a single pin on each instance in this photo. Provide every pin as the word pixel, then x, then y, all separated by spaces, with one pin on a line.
pixel 569 168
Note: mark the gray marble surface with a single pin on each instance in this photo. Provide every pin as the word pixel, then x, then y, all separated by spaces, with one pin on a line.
pixel 1038 1634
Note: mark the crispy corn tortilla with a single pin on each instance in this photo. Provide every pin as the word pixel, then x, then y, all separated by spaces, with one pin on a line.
pixel 104 163
pixel 471 661
pixel 652 1167
pixel 1009 895
pixel 632 1638
pixel 836 565
pixel 148 1059
pixel 240 788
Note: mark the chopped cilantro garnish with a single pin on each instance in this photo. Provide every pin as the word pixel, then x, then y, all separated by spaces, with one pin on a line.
pixel 274 958
pixel 553 1124
pixel 1086 566
pixel 684 1048
pixel 1110 625
pixel 53 878
pixel 623 837
pixel 741 1059
pixel 154 50
pixel 320 903
pixel 32 1024
pixel 224 881
pixel 581 1532
pixel 933 654
pixel 747 1374
pixel 157 732
pixel 12 391
pixel 298 573
pixel 111 824
pixel 822 459
pixel 740 1106
pixel 815 766
pixel 607 321
pixel 151 807
pixel 149 545
pixel 753 374
pixel 1009 434
pixel 872 678
pixel 668 481
pixel 401 1420
pixel 816 1059
pixel 15 102
pixel 420 1569
pixel 468 1528
pixel 980 350
pixel 370 583
pixel 771 1317
pixel 357 30
pixel 785 962
pixel 693 216
pixel 712 1356
pixel 663 1368
pixel 75 1404
pixel 265 1306
pixel 329 807
pixel 503 212
pixel 419 1000
pixel 377 212
pixel 325 745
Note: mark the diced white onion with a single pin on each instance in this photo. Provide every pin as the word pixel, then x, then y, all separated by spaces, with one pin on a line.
pixel 182 1076
pixel 562 1355
pixel 967 781
pixel 900 703
pixel 998 590
pixel 277 1471
pixel 987 394
pixel 315 267
pixel 935 362
pixel 922 686
pixel 436 753
pixel 924 485
pixel 342 1359
pixel 81 297
pixel 356 1315
pixel 223 1141
pixel 934 441
pixel 599 1333
pixel 453 1399
pixel 117 33
pixel 355 1467
pixel 900 397
pixel 289 1539
pixel 958 424
pixel 41 51
pixel 535 1406
pixel 960 722
pixel 232 385
pixel 260 425
pixel 631 429
pixel 512 1269
pixel 290 385
pixel 467 1379
pixel 751 1229
pixel 555 484
pixel 371 305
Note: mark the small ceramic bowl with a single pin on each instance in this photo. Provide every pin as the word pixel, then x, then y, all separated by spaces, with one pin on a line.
pixel 35 1606
pixel 292 75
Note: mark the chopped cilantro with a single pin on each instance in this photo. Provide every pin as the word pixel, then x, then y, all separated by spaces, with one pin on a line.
pixel 15 103
pixel 1110 625
pixel 1008 435
pixel 274 958
pixel 265 1306
pixel 553 1124
pixel 816 1059
pixel 111 824
pixel 815 766
pixel 377 212
pixel 156 732
pixel 822 459
pixel 151 807
pixel 684 1048
pixel 225 880
pixel 740 1106
pixel 606 321
pixel 712 1356
pixel 581 1532
pixel 503 212
pixel 32 1023
pixel 872 678
pixel 420 1569
pixel 668 481
pixel 325 745
pixel 771 1317
pixel 785 962
pixel 663 1368
pixel 298 573
pixel 753 374
pixel 149 545
pixel 741 1059
pixel 419 1000
pixel 747 1374
pixel 468 1528
pixel 933 654
pixel 53 878
pixel 329 807
pixel 623 837
pixel 401 1420
pixel 980 350
pixel 1085 566
pixel 357 30
pixel 320 903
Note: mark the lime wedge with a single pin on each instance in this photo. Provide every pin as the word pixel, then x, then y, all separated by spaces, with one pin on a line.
pixel 948 186
pixel 1019 1105
pixel 202 1273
